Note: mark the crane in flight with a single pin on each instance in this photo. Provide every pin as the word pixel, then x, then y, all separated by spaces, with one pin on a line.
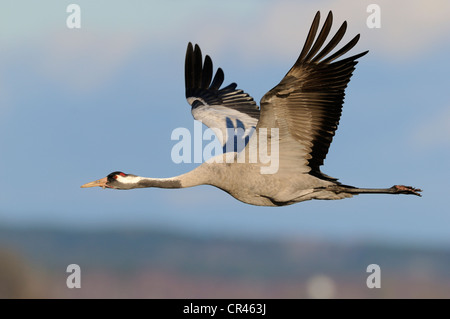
pixel 300 114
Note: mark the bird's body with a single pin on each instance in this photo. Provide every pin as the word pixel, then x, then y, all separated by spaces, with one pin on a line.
pixel 294 127
pixel 276 189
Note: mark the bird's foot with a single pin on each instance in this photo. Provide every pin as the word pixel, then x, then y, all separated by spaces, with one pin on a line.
pixel 401 189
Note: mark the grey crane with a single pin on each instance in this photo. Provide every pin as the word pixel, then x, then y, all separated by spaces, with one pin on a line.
pixel 300 115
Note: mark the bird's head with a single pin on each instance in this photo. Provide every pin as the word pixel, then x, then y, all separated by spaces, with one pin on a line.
pixel 115 180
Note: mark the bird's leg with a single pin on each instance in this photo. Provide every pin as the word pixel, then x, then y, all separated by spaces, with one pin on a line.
pixel 396 189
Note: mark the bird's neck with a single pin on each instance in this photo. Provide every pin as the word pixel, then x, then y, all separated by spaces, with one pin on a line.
pixel 145 182
pixel 193 178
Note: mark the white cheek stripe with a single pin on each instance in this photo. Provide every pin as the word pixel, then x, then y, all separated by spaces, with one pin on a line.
pixel 128 179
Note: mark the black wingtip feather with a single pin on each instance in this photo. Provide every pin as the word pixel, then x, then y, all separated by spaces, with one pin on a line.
pixel 321 37
pixel 188 72
pixel 343 50
pixel 218 79
pixel 333 42
pixel 207 72
pixel 197 67
pixel 311 35
pixel 312 53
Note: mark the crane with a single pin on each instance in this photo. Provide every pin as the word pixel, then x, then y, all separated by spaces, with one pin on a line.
pixel 299 118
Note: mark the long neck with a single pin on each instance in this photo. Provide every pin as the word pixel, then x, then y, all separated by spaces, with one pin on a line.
pixel 193 178
pixel 173 182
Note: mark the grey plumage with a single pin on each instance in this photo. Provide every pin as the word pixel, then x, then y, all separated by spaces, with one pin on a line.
pixel 301 114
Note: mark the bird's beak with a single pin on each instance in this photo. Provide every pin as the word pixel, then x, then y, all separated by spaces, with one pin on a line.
pixel 101 183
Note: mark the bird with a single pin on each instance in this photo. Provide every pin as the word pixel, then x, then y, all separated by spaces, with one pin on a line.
pixel 298 118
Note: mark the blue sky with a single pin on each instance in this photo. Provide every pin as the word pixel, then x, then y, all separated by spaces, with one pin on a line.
pixel 76 105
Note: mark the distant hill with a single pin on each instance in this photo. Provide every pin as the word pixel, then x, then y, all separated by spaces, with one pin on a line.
pixel 262 263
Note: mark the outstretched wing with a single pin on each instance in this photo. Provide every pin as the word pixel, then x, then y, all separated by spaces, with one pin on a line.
pixel 224 110
pixel 306 105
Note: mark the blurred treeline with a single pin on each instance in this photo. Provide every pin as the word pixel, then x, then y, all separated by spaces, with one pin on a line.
pixel 158 264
